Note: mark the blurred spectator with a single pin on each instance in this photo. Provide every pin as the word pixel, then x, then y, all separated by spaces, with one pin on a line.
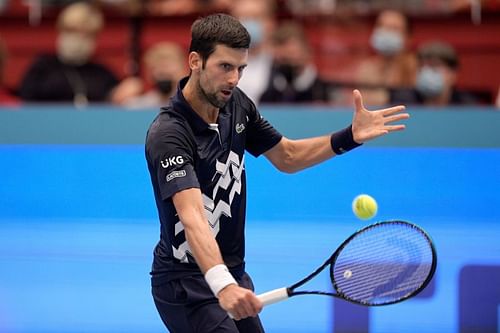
pixel 165 64
pixel 497 102
pixel 186 7
pixel 311 7
pixel 393 65
pixel 70 75
pixel 355 7
pixel 130 7
pixel 6 97
pixel 3 5
pixel 437 75
pixel 258 16
pixel 173 7
pixel 294 76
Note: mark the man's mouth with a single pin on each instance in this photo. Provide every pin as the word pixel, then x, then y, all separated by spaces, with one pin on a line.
pixel 227 92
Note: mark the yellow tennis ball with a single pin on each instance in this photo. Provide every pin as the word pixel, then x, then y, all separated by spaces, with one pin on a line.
pixel 364 207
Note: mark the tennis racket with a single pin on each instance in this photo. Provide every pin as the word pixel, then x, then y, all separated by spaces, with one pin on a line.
pixel 383 263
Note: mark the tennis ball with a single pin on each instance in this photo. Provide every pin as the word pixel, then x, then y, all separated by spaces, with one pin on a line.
pixel 364 207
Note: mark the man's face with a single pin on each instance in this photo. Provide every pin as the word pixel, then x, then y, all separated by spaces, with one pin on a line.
pixel 449 74
pixel 76 45
pixel 220 73
pixel 166 68
pixel 291 52
pixel 392 21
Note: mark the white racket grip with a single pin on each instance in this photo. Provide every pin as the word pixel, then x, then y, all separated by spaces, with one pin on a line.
pixel 273 296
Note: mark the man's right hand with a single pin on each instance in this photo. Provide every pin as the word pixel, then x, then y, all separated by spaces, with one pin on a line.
pixel 239 302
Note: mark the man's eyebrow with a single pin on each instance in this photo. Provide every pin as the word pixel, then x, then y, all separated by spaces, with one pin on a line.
pixel 225 62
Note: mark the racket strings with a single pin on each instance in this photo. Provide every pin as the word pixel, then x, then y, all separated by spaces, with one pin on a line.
pixel 383 264
pixel 366 293
pixel 381 279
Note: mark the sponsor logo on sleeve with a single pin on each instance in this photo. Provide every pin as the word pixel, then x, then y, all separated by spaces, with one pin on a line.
pixel 176 174
pixel 240 128
pixel 171 161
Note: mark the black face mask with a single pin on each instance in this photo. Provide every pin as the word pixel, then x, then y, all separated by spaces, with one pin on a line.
pixel 290 72
pixel 164 86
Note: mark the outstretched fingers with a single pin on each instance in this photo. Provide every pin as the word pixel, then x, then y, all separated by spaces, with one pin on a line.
pixel 385 130
pixel 368 125
pixel 393 128
pixel 392 110
pixel 396 117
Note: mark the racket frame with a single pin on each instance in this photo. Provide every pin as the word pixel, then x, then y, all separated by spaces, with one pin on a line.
pixel 331 261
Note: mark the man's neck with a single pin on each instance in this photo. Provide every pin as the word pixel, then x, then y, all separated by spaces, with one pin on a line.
pixel 198 103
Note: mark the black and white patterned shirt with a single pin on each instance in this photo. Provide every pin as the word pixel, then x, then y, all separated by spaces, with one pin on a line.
pixel 182 152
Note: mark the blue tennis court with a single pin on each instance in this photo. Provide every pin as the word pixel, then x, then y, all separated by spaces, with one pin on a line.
pixel 78 226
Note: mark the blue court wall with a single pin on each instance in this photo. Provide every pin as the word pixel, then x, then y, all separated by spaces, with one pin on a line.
pixel 78 222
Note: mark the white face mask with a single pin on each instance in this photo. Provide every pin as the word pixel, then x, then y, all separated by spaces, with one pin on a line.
pixel 255 29
pixel 74 48
pixel 430 82
pixel 386 42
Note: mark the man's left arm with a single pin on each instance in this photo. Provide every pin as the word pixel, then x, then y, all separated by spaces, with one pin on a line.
pixel 295 155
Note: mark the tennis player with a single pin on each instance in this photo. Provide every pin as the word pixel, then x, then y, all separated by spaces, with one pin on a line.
pixel 195 149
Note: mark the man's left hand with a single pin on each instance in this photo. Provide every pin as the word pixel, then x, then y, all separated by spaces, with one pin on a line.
pixel 368 125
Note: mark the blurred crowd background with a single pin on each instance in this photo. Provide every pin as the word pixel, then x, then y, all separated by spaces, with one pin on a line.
pixel 131 53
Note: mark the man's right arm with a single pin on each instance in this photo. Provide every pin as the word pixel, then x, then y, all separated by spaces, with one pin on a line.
pixel 240 302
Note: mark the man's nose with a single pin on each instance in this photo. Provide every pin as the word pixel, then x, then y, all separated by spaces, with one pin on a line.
pixel 234 77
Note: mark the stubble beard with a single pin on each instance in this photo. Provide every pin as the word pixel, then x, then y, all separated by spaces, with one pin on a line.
pixel 210 98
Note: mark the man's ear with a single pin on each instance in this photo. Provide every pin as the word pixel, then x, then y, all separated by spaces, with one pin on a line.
pixel 195 62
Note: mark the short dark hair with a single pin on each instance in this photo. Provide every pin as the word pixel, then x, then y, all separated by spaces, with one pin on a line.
pixel 208 32
pixel 439 50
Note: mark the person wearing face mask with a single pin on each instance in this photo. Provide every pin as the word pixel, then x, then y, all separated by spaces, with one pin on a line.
pixel 165 64
pixel 70 75
pixel 294 76
pixel 436 79
pixel 393 65
pixel 258 17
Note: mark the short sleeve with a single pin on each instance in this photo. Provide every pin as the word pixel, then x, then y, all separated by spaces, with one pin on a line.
pixel 261 135
pixel 171 161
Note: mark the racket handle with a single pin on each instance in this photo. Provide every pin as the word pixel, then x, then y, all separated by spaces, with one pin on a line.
pixel 271 297
pixel 274 296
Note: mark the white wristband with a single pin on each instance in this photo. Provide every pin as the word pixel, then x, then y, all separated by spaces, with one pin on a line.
pixel 219 277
